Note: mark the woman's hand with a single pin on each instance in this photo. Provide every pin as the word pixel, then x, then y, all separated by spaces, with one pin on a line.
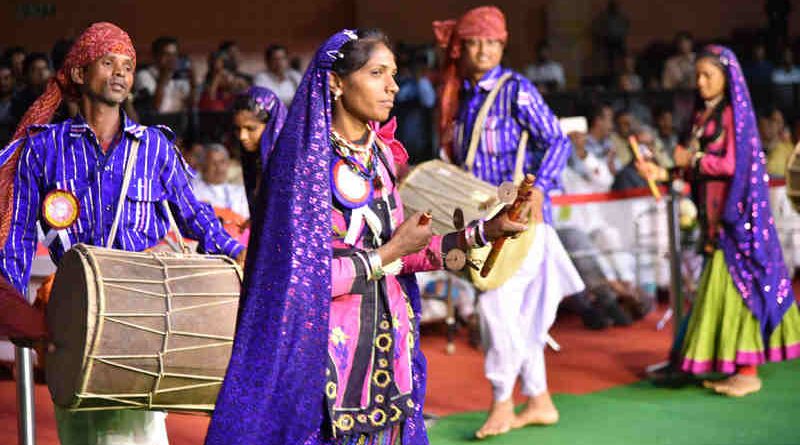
pixel 412 236
pixel 651 171
pixel 683 157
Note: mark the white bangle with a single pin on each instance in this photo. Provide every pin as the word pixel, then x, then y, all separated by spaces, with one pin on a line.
pixel 375 265
pixel 482 233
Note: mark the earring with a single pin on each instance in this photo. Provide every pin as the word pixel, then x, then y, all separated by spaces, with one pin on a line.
pixel 336 95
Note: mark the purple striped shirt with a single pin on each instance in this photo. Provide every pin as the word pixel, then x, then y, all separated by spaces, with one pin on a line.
pixel 517 107
pixel 67 156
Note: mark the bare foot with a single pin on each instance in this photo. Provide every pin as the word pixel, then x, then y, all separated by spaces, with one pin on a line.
pixel 539 410
pixel 713 384
pixel 739 385
pixel 501 415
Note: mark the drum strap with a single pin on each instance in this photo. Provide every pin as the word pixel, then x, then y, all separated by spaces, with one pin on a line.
pixel 126 181
pixel 477 129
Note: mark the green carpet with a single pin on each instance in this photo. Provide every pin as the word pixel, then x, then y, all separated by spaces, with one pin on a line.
pixel 643 414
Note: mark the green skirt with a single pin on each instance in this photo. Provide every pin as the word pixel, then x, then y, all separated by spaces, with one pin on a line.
pixel 723 333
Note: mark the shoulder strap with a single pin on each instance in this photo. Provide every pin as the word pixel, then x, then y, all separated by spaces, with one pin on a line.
pixel 126 181
pixel 477 128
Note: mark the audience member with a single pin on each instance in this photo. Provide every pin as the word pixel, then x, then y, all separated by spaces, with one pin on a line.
pixel 629 81
pixel 37 73
pixel 278 77
pixel 15 56
pixel 164 86
pixel 218 89
pixel 545 73
pixel 679 69
pixel 213 187
pixel 787 72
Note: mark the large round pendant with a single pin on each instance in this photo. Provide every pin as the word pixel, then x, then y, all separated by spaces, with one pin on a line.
pixel 350 188
pixel 60 209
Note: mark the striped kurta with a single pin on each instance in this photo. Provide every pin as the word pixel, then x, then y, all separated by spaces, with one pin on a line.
pixel 517 107
pixel 67 156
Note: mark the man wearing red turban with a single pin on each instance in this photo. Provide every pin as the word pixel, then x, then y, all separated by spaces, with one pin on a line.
pixel 68 179
pixel 494 123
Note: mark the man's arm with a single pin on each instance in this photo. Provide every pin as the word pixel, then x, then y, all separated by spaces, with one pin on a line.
pixel 536 117
pixel 16 255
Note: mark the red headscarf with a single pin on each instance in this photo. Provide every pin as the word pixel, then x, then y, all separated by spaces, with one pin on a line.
pixel 98 40
pixel 483 22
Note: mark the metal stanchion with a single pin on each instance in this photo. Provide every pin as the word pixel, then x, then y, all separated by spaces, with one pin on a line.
pixel 676 286
pixel 26 415
pixel 669 372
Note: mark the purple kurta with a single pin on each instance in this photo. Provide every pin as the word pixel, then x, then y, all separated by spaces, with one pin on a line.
pixel 517 107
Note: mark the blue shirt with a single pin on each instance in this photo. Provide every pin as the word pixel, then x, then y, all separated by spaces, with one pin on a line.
pixel 517 107
pixel 68 156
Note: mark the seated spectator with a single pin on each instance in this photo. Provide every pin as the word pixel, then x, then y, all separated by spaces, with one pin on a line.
pixel 585 172
pixel 759 70
pixel 15 57
pixel 623 166
pixel 784 132
pixel 164 87
pixel 787 72
pixel 231 49
pixel 278 77
pixel 667 134
pixel 601 125
pixel 414 104
pixel 777 150
pixel 228 200
pixel 37 72
pixel 218 89
pixel 7 121
pixel 194 153
pixel 545 73
pixel 679 69
pixel 629 81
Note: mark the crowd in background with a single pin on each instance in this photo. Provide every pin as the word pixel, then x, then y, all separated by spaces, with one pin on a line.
pixel 648 95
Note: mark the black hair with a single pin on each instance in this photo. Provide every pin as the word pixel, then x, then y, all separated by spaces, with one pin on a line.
pixel 33 57
pixel 356 53
pixel 662 110
pixel 10 51
pixel 227 45
pixel 683 35
pixel 245 102
pixel 595 111
pixel 272 49
pixel 160 43
pixel 59 52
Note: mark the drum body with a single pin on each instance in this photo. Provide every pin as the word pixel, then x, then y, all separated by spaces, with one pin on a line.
pixel 441 188
pixel 793 178
pixel 141 330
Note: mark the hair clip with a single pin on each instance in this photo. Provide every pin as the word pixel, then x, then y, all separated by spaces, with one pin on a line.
pixel 350 34
pixel 335 55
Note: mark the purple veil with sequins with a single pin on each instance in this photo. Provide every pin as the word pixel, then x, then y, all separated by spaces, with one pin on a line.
pixel 748 238
pixel 273 390
pixel 268 101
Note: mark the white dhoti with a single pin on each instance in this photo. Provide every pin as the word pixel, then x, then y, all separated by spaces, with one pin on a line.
pixel 113 427
pixel 516 317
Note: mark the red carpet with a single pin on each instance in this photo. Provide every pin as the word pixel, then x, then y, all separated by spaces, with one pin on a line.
pixel 589 361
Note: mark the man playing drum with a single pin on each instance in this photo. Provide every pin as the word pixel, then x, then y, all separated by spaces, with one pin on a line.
pixel 68 179
pixel 494 123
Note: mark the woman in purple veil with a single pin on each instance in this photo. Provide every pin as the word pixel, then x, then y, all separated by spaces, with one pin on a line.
pixel 258 117
pixel 327 343
pixel 745 311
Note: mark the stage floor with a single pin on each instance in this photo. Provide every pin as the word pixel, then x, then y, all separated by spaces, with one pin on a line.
pixel 596 382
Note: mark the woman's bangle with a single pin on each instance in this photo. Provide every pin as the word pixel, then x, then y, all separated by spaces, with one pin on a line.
pixel 482 233
pixel 375 265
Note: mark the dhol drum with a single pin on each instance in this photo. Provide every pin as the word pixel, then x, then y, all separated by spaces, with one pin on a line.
pixel 151 330
pixel 441 188
pixel 793 178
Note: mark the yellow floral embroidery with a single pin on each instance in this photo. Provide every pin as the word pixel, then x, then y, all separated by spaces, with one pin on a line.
pixel 345 422
pixel 338 336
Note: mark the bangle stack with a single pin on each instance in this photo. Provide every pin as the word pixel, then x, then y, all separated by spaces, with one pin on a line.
pixel 475 234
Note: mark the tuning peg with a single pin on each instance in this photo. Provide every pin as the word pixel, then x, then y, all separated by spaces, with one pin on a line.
pixel 507 193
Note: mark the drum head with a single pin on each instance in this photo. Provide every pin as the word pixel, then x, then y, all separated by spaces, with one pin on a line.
pixel 69 324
